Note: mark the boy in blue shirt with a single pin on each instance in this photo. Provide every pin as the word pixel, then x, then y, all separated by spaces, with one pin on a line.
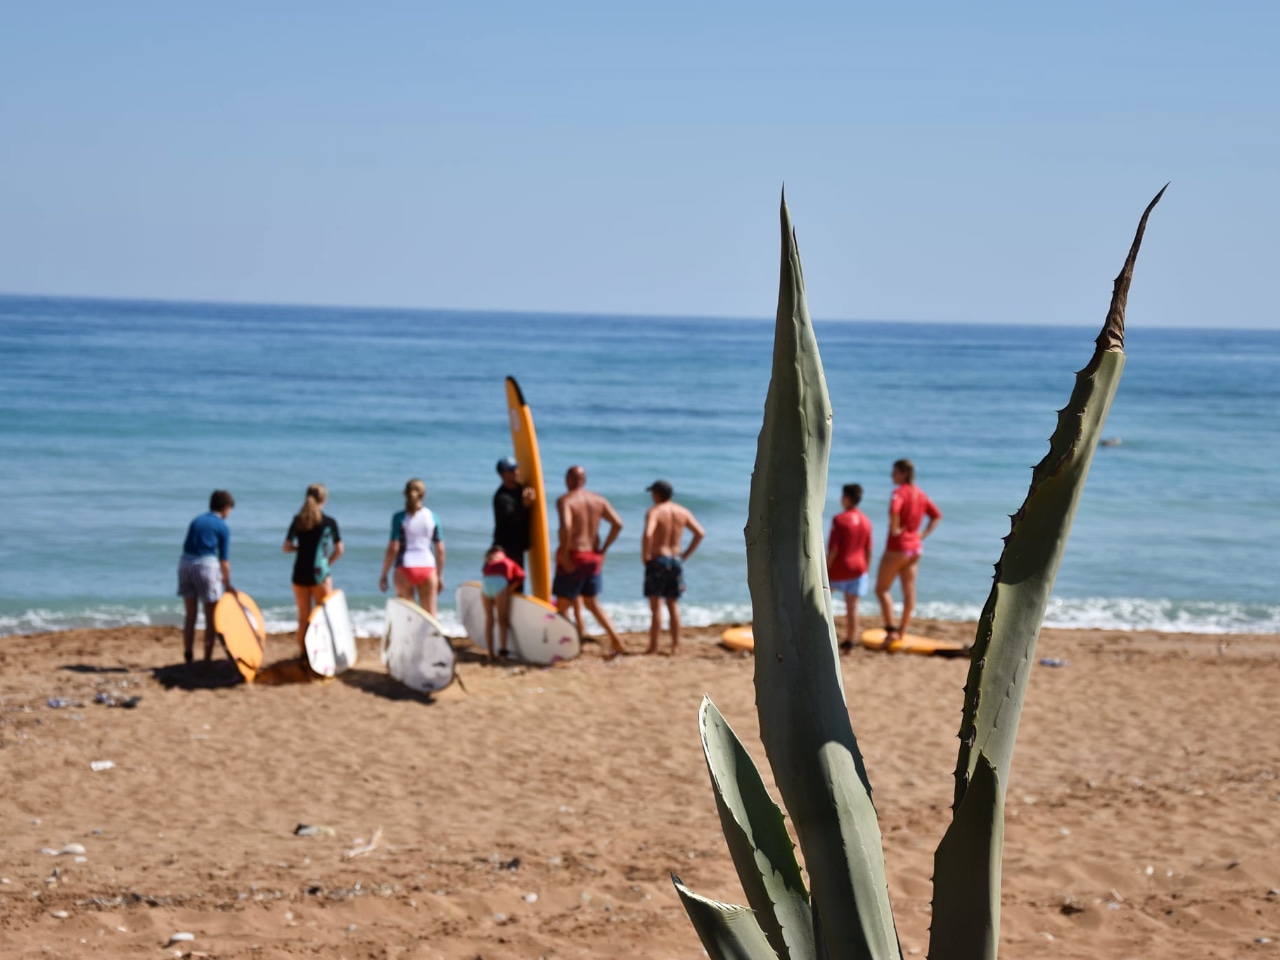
pixel 204 570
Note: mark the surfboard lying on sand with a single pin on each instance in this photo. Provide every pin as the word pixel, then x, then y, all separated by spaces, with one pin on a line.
pixel 414 648
pixel 537 635
pixel 239 625
pixel 525 441
pixel 738 638
pixel 910 643
pixel 741 638
pixel 330 641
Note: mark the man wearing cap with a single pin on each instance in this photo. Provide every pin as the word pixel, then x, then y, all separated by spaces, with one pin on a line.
pixel 664 526
pixel 511 505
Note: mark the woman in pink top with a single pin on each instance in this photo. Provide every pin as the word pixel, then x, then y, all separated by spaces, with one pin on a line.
pixel 907 508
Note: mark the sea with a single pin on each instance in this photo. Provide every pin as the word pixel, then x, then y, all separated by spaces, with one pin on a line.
pixel 117 420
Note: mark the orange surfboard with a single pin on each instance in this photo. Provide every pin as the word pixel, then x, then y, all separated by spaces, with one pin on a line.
pixel 873 639
pixel 738 638
pixel 525 441
pixel 239 625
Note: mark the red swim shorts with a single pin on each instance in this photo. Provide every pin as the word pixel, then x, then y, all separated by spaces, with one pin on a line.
pixel 418 575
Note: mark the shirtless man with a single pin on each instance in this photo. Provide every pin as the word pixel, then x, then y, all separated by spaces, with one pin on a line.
pixel 580 554
pixel 664 526
pixel 907 507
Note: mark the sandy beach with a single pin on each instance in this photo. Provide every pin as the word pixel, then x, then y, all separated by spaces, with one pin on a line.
pixel 538 813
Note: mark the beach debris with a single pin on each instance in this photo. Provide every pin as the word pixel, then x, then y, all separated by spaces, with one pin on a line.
pixel 1054 662
pixel 97 766
pixel 58 703
pixel 362 848
pixel 530 898
pixel 307 830
pixel 59 914
pixel 71 849
pixel 1261 939
pixel 1071 905
pixel 181 937
pixel 111 700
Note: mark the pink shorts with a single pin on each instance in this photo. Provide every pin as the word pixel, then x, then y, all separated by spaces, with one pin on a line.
pixel 418 575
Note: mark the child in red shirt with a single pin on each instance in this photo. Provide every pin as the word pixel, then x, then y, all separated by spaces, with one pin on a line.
pixel 849 558
pixel 502 576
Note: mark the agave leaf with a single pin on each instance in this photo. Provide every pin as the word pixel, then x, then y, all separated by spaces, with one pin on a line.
pixel 804 721
pixel 758 841
pixel 1010 623
pixel 966 924
pixel 727 932
pixel 1009 627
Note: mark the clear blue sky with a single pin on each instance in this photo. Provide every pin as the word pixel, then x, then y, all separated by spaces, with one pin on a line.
pixel 943 161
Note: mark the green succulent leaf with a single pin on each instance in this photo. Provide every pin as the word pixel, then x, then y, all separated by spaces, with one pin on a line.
pixel 758 841
pixel 966 924
pixel 804 720
pixel 1009 628
pixel 727 932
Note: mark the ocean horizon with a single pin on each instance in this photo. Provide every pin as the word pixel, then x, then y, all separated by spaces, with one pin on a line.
pixel 120 416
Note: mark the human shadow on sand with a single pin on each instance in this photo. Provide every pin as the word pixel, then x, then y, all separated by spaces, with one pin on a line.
pixel 198 676
pixel 382 685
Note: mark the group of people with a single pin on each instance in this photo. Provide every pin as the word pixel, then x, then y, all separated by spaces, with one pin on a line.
pixel 849 552
pixel 580 552
pixel 415 555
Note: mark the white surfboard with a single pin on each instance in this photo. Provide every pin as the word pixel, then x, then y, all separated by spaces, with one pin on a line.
pixel 330 641
pixel 414 648
pixel 538 635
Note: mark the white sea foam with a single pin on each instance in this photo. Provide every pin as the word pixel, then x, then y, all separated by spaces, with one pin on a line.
pixel 1114 613
pixel 1137 613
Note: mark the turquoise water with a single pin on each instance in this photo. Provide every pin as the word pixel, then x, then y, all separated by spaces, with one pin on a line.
pixel 118 418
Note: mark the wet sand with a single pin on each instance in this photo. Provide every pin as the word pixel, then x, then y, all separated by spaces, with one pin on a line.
pixel 537 813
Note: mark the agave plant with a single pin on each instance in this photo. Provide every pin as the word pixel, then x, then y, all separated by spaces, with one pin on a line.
pixel 804 719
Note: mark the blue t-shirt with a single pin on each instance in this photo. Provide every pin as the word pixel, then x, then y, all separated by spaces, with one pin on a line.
pixel 208 536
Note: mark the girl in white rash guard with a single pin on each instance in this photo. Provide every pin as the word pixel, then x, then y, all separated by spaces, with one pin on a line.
pixel 416 549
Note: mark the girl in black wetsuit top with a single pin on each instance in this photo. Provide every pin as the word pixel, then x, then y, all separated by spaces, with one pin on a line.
pixel 314 537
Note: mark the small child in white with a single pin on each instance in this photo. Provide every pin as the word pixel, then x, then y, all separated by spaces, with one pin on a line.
pixel 502 576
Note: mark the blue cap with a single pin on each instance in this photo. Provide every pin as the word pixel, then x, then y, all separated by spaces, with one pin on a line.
pixel 505 464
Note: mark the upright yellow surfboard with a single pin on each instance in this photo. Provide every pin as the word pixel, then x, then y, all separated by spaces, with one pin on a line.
pixel 525 441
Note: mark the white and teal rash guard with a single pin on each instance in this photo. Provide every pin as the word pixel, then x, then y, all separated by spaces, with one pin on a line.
pixel 417 533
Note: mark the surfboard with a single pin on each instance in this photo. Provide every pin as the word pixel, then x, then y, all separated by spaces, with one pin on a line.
pixel 873 639
pixel 738 638
pixel 330 641
pixel 741 638
pixel 414 648
pixel 525 440
pixel 239 625
pixel 537 635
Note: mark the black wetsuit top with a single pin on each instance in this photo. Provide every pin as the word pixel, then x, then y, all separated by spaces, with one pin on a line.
pixel 311 562
pixel 511 522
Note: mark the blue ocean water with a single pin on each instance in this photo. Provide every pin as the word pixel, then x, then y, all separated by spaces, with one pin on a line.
pixel 118 418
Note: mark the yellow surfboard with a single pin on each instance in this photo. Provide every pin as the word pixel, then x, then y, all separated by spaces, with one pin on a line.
pixel 525 441
pixel 741 638
pixel 738 638
pixel 238 623
pixel 910 643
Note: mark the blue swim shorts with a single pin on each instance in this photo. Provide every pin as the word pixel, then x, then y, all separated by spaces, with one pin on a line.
pixel 493 585
pixel 664 577
pixel 856 586
pixel 585 581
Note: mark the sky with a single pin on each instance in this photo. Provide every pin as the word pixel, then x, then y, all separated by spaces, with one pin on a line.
pixel 978 162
